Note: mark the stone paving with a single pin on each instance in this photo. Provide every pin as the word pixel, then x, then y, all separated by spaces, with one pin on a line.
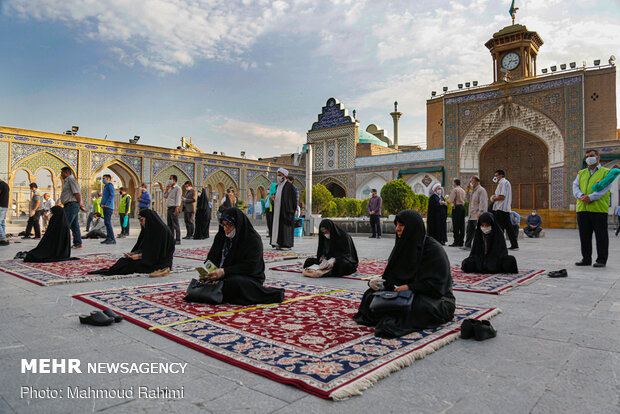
pixel 557 349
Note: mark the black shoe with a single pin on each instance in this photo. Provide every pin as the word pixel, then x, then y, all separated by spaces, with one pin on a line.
pixel 378 237
pixel 177 242
pixel 467 328
pixel 112 314
pixel 484 330
pixel 96 318
pixel 599 264
pixel 558 273
pixel 108 242
pixel 187 237
pixel 582 263
pixel 26 237
pixel 513 248
pixel 4 243
pixel 372 237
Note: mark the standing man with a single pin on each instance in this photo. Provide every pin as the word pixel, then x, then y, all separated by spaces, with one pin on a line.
pixel 617 220
pixel 107 205
pixel 457 199
pixel 478 204
pixel 145 199
pixel 592 208
pixel 375 206
pixel 189 209
pixel 283 213
pixel 36 211
pixel 533 224
pixel 502 200
pixel 48 203
pixel 71 199
pixel 124 208
pixel 4 207
pixel 173 201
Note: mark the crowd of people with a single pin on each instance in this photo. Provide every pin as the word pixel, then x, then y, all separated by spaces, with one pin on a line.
pixel 417 271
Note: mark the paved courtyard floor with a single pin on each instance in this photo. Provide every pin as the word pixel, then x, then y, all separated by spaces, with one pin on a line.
pixel 557 349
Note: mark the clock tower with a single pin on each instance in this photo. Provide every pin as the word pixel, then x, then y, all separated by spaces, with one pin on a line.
pixel 514 50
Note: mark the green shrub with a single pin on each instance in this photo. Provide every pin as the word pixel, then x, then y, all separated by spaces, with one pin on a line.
pixel 320 197
pixel 364 211
pixel 397 195
pixel 422 203
pixel 340 206
pixel 330 210
pixel 352 207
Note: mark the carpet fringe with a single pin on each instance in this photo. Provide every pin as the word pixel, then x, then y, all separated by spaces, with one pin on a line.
pixel 356 387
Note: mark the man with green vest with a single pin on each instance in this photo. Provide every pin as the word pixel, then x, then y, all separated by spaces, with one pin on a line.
pixel 592 209
pixel 124 208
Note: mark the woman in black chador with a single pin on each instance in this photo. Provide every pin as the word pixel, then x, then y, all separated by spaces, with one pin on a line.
pixel 55 246
pixel 151 254
pixel 417 263
pixel 488 251
pixel 237 251
pixel 336 248
pixel 203 216
pixel 437 214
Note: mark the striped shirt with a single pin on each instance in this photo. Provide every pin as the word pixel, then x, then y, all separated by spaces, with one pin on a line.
pixel 503 188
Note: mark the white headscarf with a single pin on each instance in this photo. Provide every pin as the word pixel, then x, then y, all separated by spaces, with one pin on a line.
pixel 434 187
pixel 283 171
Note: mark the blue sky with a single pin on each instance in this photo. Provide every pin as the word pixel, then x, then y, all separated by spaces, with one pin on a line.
pixel 252 75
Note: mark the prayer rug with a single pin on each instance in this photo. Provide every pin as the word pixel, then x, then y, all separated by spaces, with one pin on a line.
pixel 309 341
pixel 466 282
pixel 268 255
pixel 70 271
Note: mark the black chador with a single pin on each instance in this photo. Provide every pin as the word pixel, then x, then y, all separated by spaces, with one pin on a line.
pixel 283 226
pixel 488 252
pixel 155 244
pixel 339 246
pixel 420 263
pixel 55 246
pixel 203 216
pixel 241 257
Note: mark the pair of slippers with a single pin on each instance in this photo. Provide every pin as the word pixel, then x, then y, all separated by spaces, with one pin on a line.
pixel 480 330
pixel 558 273
pixel 99 318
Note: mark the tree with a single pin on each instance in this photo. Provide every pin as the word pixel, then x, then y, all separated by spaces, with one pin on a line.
pixel 422 203
pixel 341 206
pixel 397 196
pixel 352 207
pixel 364 211
pixel 330 210
pixel 320 197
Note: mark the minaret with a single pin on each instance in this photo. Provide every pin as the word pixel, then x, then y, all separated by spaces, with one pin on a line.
pixel 396 116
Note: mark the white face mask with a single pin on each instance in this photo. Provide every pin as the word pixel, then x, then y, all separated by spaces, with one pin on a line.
pixel 327 236
pixel 231 234
pixel 169 182
pixel 486 230
pixel 591 161
pixel 495 179
pixel 533 213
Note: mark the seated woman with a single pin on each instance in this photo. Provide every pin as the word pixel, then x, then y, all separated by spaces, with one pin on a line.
pixel 417 263
pixel 151 254
pixel 336 252
pixel 97 231
pixel 55 246
pixel 488 252
pixel 237 250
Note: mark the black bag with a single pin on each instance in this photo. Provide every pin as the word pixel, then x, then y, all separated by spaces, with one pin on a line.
pixel 204 292
pixel 391 301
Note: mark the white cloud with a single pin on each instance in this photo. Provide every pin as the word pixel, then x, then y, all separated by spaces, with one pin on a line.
pixel 262 138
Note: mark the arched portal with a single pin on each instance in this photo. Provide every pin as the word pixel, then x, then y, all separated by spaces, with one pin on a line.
pixel 128 180
pixel 525 160
pixel 336 190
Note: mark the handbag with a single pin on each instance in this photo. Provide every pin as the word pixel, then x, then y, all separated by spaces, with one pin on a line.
pixel 391 301
pixel 204 292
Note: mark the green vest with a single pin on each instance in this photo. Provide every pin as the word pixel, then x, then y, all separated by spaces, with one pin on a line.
pixel 125 205
pixel 586 181
pixel 97 206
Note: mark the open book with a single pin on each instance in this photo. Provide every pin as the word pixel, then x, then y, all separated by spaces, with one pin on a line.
pixel 207 268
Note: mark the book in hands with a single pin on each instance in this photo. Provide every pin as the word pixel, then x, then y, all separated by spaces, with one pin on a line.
pixel 207 268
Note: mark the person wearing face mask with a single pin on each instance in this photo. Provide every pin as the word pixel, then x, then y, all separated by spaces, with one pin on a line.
pixel 457 199
pixel 592 210
pixel 488 252
pixel 107 205
pixel 502 201
pixel 419 264
pixel 478 204
pixel 437 215
pixel 284 208
pixel 189 209
pixel 533 225
pixel 237 250
pixel 152 253
pixel 173 205
pixel 336 254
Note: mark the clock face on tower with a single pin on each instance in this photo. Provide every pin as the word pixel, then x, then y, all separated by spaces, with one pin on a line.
pixel 510 61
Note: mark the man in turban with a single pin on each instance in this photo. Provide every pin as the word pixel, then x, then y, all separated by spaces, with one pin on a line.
pixel 284 207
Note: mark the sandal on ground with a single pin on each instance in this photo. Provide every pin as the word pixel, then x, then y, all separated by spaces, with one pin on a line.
pixel 112 314
pixel 160 272
pixel 484 330
pixel 96 318
pixel 558 273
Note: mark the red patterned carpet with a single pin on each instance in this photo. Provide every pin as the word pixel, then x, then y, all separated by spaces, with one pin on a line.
pixel 70 271
pixel 310 341
pixel 268 255
pixel 465 282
